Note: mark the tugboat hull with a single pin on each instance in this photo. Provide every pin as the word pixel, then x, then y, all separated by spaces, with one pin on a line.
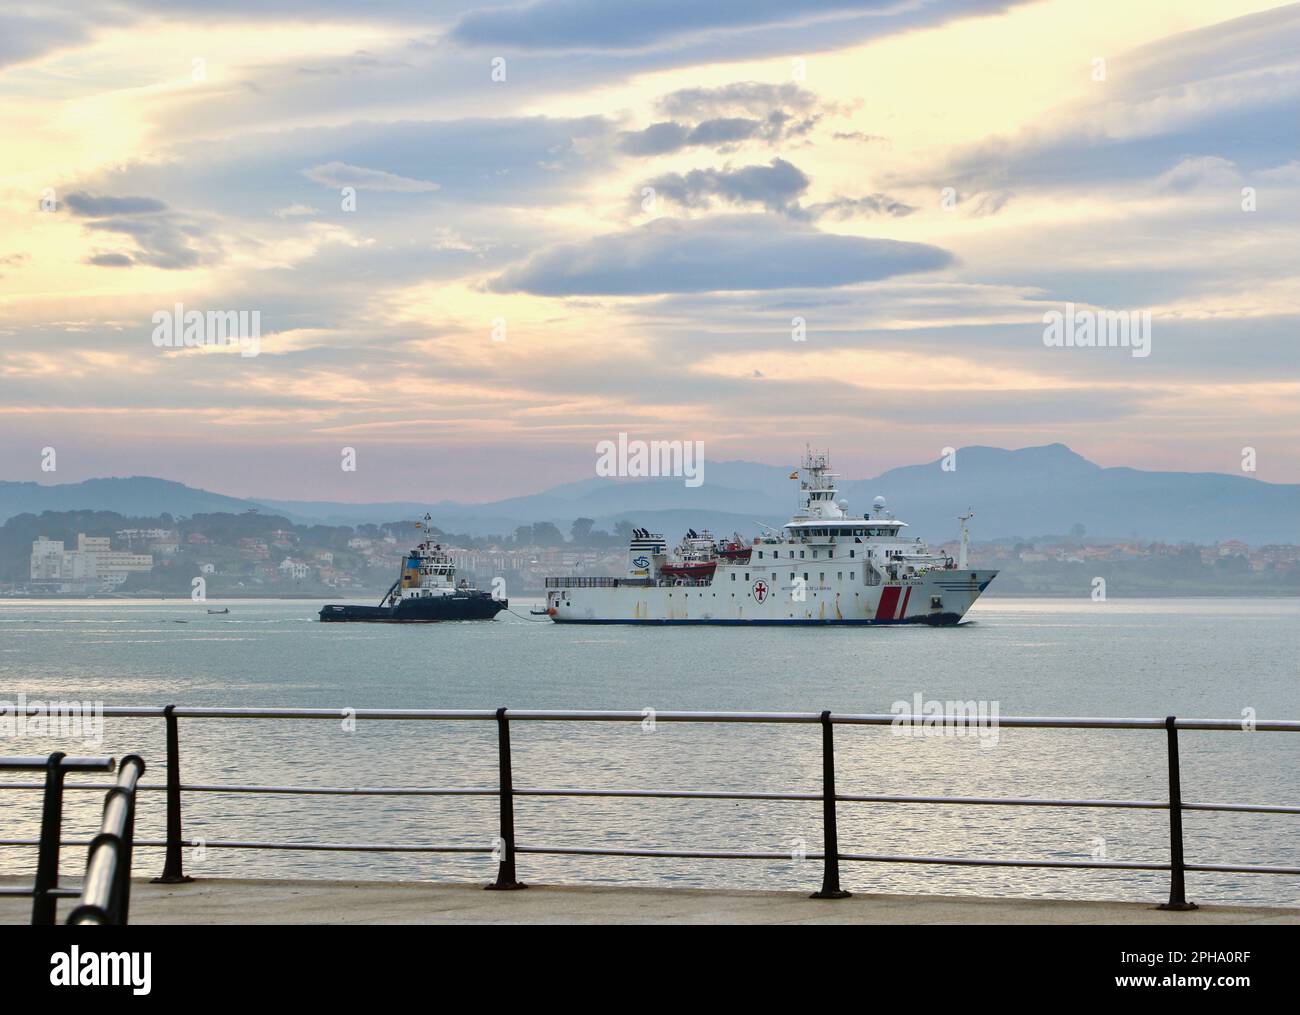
pixel 421 610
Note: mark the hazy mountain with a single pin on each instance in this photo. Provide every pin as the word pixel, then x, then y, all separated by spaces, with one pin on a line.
pixel 1026 492
pixel 142 496
pixel 323 512
pixel 1046 490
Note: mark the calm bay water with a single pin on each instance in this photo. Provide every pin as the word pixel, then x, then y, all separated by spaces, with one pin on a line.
pixel 1207 658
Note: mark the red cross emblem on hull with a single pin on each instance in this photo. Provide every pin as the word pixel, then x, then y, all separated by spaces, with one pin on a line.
pixel 760 590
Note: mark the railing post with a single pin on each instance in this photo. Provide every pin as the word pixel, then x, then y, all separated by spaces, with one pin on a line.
pixel 1177 887
pixel 44 904
pixel 173 872
pixel 830 831
pixel 506 870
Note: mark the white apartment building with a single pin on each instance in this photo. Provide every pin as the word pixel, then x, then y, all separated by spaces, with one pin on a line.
pixel 93 566
pixel 47 559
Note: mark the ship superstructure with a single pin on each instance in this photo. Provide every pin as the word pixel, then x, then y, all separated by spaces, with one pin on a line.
pixel 824 566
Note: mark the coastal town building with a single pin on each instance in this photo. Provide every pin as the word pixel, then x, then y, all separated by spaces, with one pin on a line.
pixel 94 566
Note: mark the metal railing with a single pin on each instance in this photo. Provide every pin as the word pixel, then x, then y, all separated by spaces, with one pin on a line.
pixel 507 849
pixel 106 886
pixel 594 582
pixel 105 890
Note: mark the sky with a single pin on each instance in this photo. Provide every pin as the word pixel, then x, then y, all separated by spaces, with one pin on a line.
pixel 479 239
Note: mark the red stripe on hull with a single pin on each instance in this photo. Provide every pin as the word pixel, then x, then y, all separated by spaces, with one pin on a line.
pixel 902 612
pixel 888 603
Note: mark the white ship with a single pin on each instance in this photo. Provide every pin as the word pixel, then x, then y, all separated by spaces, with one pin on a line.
pixel 825 566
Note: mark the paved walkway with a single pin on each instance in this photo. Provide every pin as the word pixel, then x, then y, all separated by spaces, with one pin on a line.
pixel 229 901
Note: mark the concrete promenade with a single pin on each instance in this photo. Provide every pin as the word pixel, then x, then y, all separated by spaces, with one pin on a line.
pixel 230 901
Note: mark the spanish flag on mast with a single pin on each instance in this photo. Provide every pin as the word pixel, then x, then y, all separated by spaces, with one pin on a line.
pixel 795 474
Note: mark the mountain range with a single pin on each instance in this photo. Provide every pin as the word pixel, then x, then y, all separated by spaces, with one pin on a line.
pixel 1025 492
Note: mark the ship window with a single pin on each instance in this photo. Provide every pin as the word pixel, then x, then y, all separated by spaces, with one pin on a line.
pixel 839 575
pixel 814 554
pixel 760 554
pixel 733 576
pixel 805 576
pixel 746 576
pixel 800 554
pixel 851 576
pixel 853 553
pixel 821 576
pixel 792 576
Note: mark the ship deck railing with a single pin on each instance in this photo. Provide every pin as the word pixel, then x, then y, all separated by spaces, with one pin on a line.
pixel 506 850
pixel 611 583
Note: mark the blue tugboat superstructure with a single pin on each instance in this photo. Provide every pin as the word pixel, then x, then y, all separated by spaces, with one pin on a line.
pixel 426 590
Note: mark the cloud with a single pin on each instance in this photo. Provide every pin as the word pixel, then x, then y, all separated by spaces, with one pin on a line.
pixel 164 238
pixel 91 206
pixel 1201 171
pixel 340 174
pixel 110 261
pixel 851 207
pixel 774 186
pixel 745 97
pixel 598 24
pixel 860 136
pixel 739 252
pixel 719 132
pixel 1220 91
pixel 27 36
pixel 1287 173
pixel 294 210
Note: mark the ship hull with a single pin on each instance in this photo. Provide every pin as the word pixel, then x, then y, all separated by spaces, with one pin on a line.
pixel 420 610
pixel 938 599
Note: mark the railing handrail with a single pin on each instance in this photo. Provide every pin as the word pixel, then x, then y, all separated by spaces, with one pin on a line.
pixel 106 887
pixel 506 849
pixel 626 715
pixel 33 763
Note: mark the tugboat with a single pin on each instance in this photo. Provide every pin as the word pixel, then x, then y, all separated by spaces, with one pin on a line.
pixel 696 557
pixel 425 591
